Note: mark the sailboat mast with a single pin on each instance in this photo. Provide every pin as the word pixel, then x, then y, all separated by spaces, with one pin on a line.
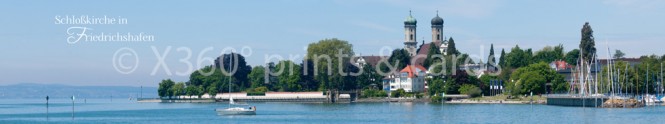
pixel 588 79
pixel 617 79
pixel 609 80
pixel 595 61
pixel 625 78
pixel 581 74
pixel 230 80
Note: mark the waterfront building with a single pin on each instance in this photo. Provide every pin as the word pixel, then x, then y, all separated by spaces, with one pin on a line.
pixel 411 79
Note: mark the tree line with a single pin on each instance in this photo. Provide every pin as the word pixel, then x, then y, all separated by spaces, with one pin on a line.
pixel 328 66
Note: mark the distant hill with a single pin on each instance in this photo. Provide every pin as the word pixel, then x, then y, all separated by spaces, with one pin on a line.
pixel 32 90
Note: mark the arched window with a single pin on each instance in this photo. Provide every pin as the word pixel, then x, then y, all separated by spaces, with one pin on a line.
pixel 411 37
pixel 438 37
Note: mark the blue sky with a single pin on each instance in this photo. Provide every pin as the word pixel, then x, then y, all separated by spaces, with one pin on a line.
pixel 35 50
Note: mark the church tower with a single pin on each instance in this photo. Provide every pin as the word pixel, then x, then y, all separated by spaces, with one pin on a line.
pixel 437 33
pixel 437 28
pixel 410 43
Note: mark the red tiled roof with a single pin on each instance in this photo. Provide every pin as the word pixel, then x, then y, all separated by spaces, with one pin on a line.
pixel 373 60
pixel 411 69
pixel 559 64
pixel 424 50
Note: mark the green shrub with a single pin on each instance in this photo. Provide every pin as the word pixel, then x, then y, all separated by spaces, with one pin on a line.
pixel 261 89
pixel 419 95
pixel 398 93
pixel 470 90
pixel 367 93
pixel 436 99
pixel 256 93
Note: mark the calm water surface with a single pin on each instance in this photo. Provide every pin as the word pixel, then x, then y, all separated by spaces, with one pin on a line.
pixel 125 111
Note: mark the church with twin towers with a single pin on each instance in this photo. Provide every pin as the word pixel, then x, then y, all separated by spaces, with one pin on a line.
pixel 412 77
pixel 411 42
pixel 410 35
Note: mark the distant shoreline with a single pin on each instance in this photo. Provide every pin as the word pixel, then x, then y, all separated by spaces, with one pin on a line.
pixel 359 100
pixel 460 101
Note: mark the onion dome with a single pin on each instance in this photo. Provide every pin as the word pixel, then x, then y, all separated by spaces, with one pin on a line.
pixel 437 20
pixel 410 20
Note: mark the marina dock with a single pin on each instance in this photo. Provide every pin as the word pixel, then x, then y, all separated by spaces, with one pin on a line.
pixel 576 101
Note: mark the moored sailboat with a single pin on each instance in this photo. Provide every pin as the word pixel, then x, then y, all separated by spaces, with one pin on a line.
pixel 235 110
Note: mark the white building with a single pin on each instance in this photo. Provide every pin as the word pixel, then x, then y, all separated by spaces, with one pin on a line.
pixel 411 79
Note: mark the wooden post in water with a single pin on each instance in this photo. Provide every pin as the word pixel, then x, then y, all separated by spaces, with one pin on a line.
pixel 47 108
pixel 531 97
pixel 443 98
pixel 141 92
pixel 73 106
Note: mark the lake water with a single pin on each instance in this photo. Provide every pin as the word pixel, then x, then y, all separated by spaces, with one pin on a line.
pixel 125 111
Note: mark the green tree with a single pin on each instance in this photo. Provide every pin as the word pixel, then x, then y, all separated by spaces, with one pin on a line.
pixel 618 54
pixel 587 43
pixel 502 59
pixel 491 61
pixel 368 93
pixel 572 56
pixel 200 91
pixel 531 82
pixel 518 57
pixel 368 77
pixel 258 77
pixel 210 76
pixel 452 50
pixel 470 90
pixel 326 55
pixel 398 93
pixel 178 89
pixel 558 51
pixel 308 80
pixel 289 78
pixel 433 50
pixel 533 78
pixel 450 87
pixel 240 76
pixel 485 81
pixel 191 90
pixel 399 59
pixel 165 87
pixel 212 91
pixel 435 86
pixel 549 54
